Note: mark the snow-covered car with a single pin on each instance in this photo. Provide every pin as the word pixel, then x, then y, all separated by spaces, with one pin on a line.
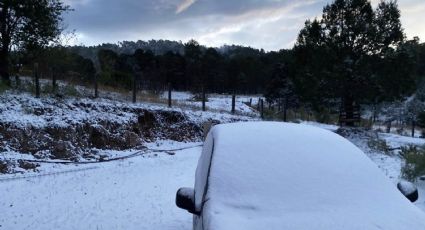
pixel 270 175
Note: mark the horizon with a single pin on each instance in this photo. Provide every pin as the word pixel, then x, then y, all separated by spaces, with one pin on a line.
pixel 271 25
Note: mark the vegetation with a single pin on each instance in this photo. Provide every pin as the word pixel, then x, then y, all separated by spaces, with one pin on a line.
pixel 27 25
pixel 368 61
pixel 361 46
pixel 414 166
pixel 379 145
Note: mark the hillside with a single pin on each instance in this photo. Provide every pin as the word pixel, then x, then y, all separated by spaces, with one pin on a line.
pixel 83 129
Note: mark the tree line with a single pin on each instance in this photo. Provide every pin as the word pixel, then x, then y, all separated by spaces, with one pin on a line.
pixel 354 54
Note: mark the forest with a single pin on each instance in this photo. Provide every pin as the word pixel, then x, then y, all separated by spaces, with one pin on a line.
pixel 354 55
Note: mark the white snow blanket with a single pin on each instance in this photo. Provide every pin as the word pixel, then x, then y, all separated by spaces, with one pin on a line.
pixel 133 194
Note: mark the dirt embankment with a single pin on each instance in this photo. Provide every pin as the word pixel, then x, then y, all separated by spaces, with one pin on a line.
pixel 82 139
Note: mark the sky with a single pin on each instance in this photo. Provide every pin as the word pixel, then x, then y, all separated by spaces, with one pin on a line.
pixel 266 24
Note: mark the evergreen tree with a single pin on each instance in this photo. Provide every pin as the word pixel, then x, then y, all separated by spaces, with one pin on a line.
pixel 193 54
pixel 280 90
pixel 339 52
pixel 211 65
pixel 27 24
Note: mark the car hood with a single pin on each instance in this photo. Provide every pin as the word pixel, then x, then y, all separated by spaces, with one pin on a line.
pixel 325 217
pixel 270 175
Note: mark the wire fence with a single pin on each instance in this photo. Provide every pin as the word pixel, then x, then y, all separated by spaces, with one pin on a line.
pixel 135 154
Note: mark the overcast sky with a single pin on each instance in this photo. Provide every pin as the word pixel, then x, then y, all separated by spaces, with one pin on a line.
pixel 267 24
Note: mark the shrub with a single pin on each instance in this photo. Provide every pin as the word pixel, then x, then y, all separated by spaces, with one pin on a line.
pixel 70 90
pixel 379 145
pixel 3 87
pixel 4 168
pixel 46 89
pixel 27 165
pixel 414 165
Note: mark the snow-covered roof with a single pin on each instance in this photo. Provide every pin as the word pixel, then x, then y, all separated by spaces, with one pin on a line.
pixel 269 175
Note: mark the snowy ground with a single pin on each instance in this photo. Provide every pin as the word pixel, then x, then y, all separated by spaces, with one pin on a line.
pixel 390 164
pixel 217 102
pixel 137 193
pixel 183 100
pixel 20 109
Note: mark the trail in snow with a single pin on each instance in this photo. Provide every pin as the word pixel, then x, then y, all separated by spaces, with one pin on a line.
pixel 136 193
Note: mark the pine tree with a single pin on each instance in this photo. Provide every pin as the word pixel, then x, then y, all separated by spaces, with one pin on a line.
pixel 281 90
pixel 339 53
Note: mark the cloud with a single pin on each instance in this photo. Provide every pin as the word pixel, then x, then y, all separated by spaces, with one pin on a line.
pixel 268 24
pixel 269 28
pixel 184 5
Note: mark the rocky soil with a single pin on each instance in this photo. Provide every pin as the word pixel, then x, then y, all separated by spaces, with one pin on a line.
pixel 77 129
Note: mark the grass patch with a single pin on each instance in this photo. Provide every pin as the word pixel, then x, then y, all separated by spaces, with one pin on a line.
pixel 3 87
pixel 71 91
pixel 379 145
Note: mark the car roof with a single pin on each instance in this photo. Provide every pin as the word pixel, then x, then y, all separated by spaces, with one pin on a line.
pixel 271 175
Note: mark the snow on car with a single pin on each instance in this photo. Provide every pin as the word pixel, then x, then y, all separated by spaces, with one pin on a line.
pixel 269 175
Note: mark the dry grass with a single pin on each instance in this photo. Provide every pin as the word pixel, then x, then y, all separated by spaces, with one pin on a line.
pixel 120 94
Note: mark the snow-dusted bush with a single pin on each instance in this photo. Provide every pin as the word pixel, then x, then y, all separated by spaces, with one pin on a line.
pixel 379 145
pixel 414 165
pixel 4 167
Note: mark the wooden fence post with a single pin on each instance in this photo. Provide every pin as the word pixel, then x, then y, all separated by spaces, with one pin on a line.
pixel 53 75
pixel 259 104
pixel 413 128
pixel 262 108
pixel 96 90
pixel 203 99
pixel 134 88
pixel 233 102
pixel 169 94
pixel 37 81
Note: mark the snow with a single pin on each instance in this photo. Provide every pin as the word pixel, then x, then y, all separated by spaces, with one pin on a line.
pixel 136 193
pixel 290 176
pixel 178 95
pixel 20 109
pixel 202 171
pixel 406 187
pixel 396 141
pixel 139 193
pixel 329 127
pixel 216 102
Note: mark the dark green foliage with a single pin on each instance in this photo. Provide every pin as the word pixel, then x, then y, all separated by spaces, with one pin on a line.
pixel 115 70
pixel 188 66
pixel 4 167
pixel 225 70
pixel 280 86
pixel 27 25
pixel 146 66
pixel 379 145
pixel 414 166
pixel 280 90
pixel 353 54
pixel 421 119
pixel 60 63
pixel 172 70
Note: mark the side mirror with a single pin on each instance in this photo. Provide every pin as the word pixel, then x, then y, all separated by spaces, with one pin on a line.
pixel 185 199
pixel 409 190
